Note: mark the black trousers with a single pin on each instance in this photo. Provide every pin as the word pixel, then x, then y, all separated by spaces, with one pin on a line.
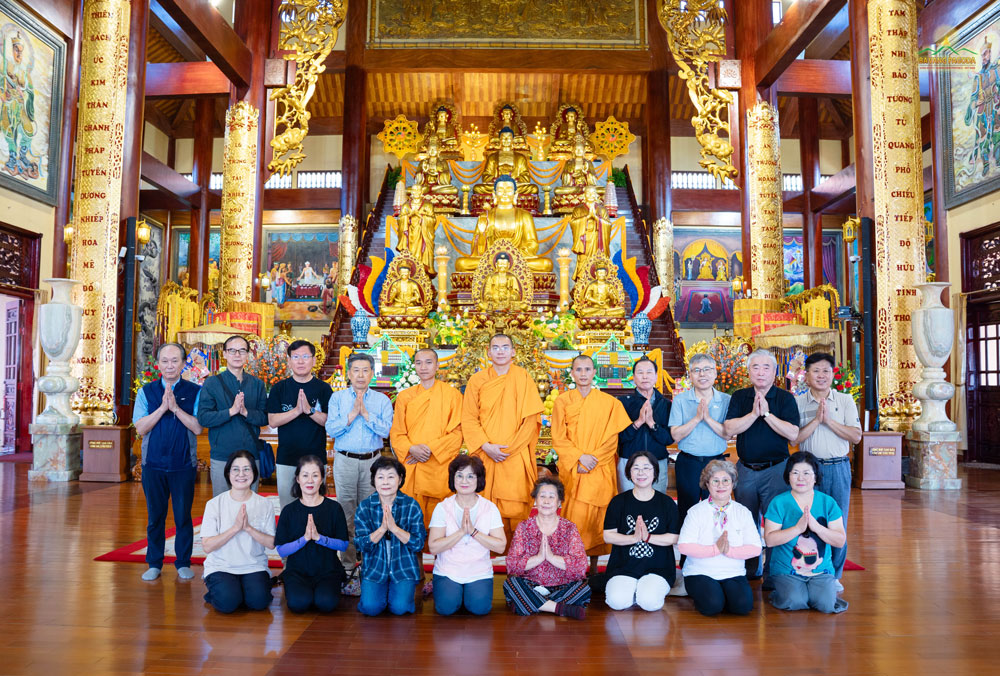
pixel 304 592
pixel 712 596
pixel 160 488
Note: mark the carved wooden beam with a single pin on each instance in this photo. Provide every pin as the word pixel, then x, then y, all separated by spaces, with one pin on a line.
pixel 185 80
pixel 802 23
pixel 508 60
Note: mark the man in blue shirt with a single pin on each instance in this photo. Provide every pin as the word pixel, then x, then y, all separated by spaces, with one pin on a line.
pixel 358 420
pixel 164 416
pixel 696 424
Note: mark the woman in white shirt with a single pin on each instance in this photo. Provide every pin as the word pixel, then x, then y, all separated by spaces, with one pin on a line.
pixel 236 531
pixel 718 535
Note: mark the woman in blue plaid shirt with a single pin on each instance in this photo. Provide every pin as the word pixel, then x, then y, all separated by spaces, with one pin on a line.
pixel 389 533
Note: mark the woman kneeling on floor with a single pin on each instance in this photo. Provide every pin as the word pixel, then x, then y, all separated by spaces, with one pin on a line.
pixel 236 532
pixel 465 528
pixel 389 533
pixel 801 526
pixel 311 530
pixel 641 526
pixel 718 535
pixel 547 563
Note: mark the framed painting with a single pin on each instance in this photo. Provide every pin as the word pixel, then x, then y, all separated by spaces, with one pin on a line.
pixel 302 266
pixel 31 97
pixel 968 65
pixel 148 284
pixel 179 256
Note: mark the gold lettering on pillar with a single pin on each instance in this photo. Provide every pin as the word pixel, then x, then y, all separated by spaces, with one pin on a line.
pixel 767 270
pixel 239 193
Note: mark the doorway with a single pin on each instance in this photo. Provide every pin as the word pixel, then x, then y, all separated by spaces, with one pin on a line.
pixel 10 358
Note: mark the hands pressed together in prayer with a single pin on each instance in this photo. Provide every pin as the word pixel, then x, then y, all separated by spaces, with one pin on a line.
pixel 239 406
pixel 760 406
pixel 311 532
pixel 645 416
pixel 723 543
pixel 303 404
pixel 641 530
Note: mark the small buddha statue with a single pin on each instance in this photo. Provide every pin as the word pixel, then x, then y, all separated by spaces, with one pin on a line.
pixel 433 172
pixel 505 221
pixel 591 227
pixel 441 126
pixel 564 132
pixel 506 116
pixel 509 162
pixel 502 292
pixel 415 227
pixel 599 298
pixel 405 296
pixel 705 271
pixel 578 172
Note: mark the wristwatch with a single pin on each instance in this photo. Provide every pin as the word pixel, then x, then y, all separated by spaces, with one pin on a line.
pixel 766 413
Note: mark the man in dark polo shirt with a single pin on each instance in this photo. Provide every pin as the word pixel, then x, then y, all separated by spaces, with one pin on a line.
pixel 764 419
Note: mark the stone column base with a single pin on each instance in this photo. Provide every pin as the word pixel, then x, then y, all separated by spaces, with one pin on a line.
pixel 933 460
pixel 56 449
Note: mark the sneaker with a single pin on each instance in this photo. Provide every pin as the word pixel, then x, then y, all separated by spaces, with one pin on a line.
pixel 428 589
pixel 351 588
pixel 185 573
pixel 151 574
pixel 678 588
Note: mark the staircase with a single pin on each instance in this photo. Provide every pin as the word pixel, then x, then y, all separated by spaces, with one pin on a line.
pixel 638 243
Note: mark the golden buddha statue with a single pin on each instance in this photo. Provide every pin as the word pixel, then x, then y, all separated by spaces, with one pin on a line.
pixel 705 269
pixel 433 172
pixel 415 228
pixel 505 221
pixel 443 127
pixel 568 125
pixel 405 297
pixel 507 116
pixel 578 172
pixel 506 162
pixel 599 298
pixel 591 227
pixel 502 292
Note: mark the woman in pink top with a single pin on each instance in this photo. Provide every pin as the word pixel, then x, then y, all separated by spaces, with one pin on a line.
pixel 547 563
pixel 464 529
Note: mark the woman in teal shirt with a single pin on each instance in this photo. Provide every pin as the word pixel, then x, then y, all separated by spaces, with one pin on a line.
pixel 801 526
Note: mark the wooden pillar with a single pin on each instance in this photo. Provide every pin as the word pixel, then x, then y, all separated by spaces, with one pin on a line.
pixel 253 24
pixel 204 132
pixel 812 228
pixel 752 21
pixel 64 191
pixel 939 213
pixel 134 112
pixel 657 157
pixel 355 151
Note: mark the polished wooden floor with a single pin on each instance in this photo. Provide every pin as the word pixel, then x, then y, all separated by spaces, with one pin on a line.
pixel 929 602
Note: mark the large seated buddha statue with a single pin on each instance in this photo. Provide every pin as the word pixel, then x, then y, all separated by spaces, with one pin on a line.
pixel 505 221
pixel 568 125
pixel 443 126
pixel 507 116
pixel 433 172
pixel 506 162
pixel 578 172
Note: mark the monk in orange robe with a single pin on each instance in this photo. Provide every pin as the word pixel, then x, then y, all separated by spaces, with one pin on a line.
pixel 501 420
pixel 585 427
pixel 426 433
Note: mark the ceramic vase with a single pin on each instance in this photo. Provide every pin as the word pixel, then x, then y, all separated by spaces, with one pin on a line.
pixel 59 328
pixel 933 329
pixel 360 325
pixel 641 327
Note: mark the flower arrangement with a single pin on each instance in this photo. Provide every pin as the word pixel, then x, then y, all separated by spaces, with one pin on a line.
pixel 146 374
pixel 447 330
pixel 405 377
pixel 730 355
pixel 556 329
pixel 844 380
pixel 268 361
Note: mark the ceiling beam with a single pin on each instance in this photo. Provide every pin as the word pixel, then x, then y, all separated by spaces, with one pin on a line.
pixel 834 189
pixel 926 131
pixel 169 30
pixel 155 117
pixel 206 27
pixel 166 180
pixel 802 23
pixel 508 60
pixel 832 38
pixel 942 17
pixel 185 80
pixel 828 78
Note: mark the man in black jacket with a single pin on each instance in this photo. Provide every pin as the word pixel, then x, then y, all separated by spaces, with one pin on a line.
pixel 649 431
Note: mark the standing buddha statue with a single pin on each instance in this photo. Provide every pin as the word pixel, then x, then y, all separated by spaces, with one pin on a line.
pixel 591 227
pixel 415 228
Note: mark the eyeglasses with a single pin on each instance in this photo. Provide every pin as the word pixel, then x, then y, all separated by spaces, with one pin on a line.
pixel 807 558
pixel 721 482
pixel 301 357
pixel 233 351
pixel 241 470
pixel 705 370
pixel 804 474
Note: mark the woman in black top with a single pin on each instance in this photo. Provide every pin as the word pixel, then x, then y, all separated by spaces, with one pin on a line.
pixel 311 530
pixel 641 525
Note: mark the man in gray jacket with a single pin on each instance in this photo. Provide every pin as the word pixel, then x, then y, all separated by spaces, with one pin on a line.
pixel 232 407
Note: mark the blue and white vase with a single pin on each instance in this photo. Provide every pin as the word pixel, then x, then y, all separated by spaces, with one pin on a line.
pixel 641 326
pixel 360 324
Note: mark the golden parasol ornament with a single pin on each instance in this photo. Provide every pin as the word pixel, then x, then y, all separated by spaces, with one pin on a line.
pixel 215 333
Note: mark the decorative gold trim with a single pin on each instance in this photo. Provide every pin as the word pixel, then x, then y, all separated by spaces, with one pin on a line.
pixel 764 186
pixel 400 136
pixel 239 191
pixel 611 138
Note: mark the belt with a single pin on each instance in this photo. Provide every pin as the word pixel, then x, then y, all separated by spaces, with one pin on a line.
pixel 361 456
pixel 833 461
pixel 758 466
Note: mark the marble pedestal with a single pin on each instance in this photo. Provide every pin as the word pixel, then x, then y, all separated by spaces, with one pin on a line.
pixel 933 460
pixel 56 449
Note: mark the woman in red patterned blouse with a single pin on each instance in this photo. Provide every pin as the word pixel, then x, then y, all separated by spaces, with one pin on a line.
pixel 547 563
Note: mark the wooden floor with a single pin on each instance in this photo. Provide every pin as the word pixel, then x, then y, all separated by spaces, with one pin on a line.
pixel 929 602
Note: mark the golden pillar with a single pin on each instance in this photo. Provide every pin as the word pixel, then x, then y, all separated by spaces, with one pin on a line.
pixel 441 258
pixel 239 193
pixel 97 204
pixel 348 246
pixel 663 252
pixel 899 232
pixel 563 259
pixel 767 270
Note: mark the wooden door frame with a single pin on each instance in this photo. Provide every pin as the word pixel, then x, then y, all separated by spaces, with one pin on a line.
pixel 25 292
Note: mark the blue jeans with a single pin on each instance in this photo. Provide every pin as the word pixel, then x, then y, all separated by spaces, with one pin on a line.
pixel 798 592
pixel 836 482
pixel 450 596
pixel 396 596
pixel 755 490
pixel 161 487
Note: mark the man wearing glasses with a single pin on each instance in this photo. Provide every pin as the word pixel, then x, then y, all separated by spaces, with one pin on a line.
pixel 696 424
pixel 232 408
pixel 501 419
pixel 297 406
